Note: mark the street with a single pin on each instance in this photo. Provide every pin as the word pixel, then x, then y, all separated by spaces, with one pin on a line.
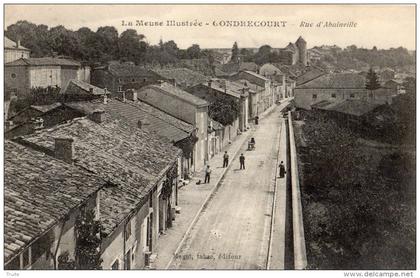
pixel 233 230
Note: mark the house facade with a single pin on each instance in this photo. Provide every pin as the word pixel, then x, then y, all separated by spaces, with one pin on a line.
pixel 24 74
pixel 338 87
pixel 14 51
pixel 117 77
pixel 186 107
pixel 263 88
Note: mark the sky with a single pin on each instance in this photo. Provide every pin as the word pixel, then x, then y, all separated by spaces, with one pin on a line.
pixel 383 26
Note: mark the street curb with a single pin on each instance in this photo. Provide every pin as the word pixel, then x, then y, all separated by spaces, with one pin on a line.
pixel 213 190
pixel 273 213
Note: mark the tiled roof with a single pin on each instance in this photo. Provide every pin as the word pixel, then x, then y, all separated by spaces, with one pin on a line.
pixel 256 75
pixel 39 191
pixel 46 61
pixel 309 75
pixel 172 90
pixel 350 106
pixel 232 88
pixel 183 76
pixel 132 159
pixel 215 124
pixel 132 112
pixel 46 108
pixel 84 86
pixel 337 80
pixel 126 70
pixel 269 69
pixel 8 43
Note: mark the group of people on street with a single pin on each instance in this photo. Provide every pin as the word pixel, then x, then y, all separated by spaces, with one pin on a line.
pixel 282 169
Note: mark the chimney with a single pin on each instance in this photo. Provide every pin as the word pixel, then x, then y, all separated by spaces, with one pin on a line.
pixel 38 123
pixel 91 91
pixel 131 95
pixel 105 96
pixel 122 96
pixel 209 85
pixel 64 149
pixel 18 44
pixel 142 123
pixel 98 116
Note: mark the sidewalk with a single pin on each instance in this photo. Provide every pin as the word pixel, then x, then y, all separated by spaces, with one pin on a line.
pixel 193 198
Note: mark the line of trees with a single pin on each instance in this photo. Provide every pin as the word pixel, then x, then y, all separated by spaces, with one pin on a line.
pixel 103 45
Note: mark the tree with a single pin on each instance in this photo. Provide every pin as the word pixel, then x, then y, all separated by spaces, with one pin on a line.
pixel 88 241
pixel 263 55
pixel 131 46
pixel 235 53
pixel 372 82
pixel 194 51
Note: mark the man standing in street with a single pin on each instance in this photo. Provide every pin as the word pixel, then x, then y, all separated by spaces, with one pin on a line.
pixel 208 172
pixel 225 159
pixel 282 170
pixel 242 161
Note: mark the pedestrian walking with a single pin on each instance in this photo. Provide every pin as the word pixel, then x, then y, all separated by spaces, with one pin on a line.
pixel 242 161
pixel 282 170
pixel 225 159
pixel 208 172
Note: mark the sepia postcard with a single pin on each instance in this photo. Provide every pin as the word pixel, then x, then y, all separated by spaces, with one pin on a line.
pixel 210 137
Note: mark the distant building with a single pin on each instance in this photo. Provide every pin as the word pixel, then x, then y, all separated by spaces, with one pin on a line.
pixel 216 88
pixel 396 86
pixel 116 77
pixel 181 77
pixel 43 198
pixel 14 51
pixel 294 53
pixel 262 86
pixel 337 87
pixel 24 74
pixel 278 79
pixel 184 106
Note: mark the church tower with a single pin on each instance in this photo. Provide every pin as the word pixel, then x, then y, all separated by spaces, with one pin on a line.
pixel 303 53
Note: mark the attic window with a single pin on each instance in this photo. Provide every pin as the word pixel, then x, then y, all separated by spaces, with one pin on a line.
pixel 13 75
pixel 333 95
pixel 314 96
pixel 351 95
pixel 119 80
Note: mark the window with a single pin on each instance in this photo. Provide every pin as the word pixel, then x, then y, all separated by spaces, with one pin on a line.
pixel 144 79
pixel 119 80
pixel 351 95
pixel 120 88
pixel 314 96
pixel 333 96
pixel 13 75
pixel 116 265
pixel 133 80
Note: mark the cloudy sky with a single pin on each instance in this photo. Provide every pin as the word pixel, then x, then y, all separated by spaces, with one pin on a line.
pixel 383 26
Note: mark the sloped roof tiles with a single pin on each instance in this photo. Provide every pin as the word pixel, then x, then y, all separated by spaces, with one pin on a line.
pixel 39 190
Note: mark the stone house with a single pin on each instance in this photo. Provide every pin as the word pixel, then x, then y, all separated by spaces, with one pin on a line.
pixel 335 87
pixel 14 51
pixel 181 77
pixel 261 85
pixel 186 107
pixel 118 77
pixel 24 74
pixel 214 88
pixel 140 170
pixel 42 202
